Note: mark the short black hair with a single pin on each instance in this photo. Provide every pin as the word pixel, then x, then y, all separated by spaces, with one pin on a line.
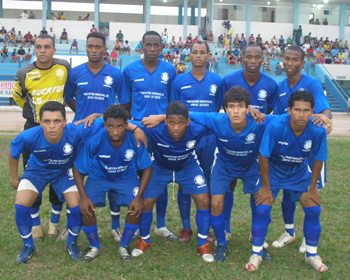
pixel 301 95
pixel 296 49
pixel 201 43
pixel 53 106
pixel 252 46
pixel 45 36
pixel 116 112
pixel 177 108
pixel 151 33
pixel 236 94
pixel 98 35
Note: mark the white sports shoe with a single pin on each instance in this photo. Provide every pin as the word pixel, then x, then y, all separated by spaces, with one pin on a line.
pixel 117 235
pixel 302 248
pixel 53 230
pixel 166 233
pixel 92 254
pixel 316 263
pixel 283 240
pixel 124 253
pixel 253 263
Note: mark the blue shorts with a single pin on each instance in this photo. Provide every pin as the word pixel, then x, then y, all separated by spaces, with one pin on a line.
pixel 190 178
pixel 61 181
pixel 292 195
pixel 205 152
pixel 124 190
pixel 221 178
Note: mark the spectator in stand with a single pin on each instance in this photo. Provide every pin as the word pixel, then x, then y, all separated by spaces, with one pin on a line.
pixel 172 43
pixel 118 46
pixel 120 36
pixel 210 37
pixel 126 47
pixel 4 53
pixel 114 57
pixel 237 54
pixel 52 33
pixel 44 31
pixel 12 38
pixel 93 29
pixel 236 41
pixel 31 15
pixel 21 54
pixel 61 16
pixel 188 42
pixel 325 22
pixel 28 55
pixel 28 39
pixel 14 56
pixel 180 43
pixel 221 40
pixel 64 36
pixel 289 41
pixel 334 52
pixel 24 15
pixel 87 17
pixel 317 21
pixel 267 65
pixel 251 39
pixel 138 47
pixel 53 16
pixel 19 38
pixel 346 45
pixel 259 40
pixel 195 40
pixel 242 42
pixel 227 43
pixel 281 42
pixel 74 46
pixel 273 40
pixel 186 52
pixel 276 52
pixel 165 36
pixel 2 37
pixel 3 30
pixel 328 59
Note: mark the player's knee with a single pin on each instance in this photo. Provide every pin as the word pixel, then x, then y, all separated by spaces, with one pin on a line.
pixel 148 204
pixel 202 201
pixel 132 219
pixel 217 206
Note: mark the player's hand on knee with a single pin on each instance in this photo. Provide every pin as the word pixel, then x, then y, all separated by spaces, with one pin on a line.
pixel 264 196
pixel 311 198
pixel 14 182
pixel 87 208
pixel 135 208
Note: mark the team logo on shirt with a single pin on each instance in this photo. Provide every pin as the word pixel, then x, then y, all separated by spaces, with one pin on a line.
pixel 190 144
pixel 165 77
pixel 108 80
pixel 199 180
pixel 129 154
pixel 33 75
pixel 307 145
pixel 67 149
pixel 262 94
pixel 59 73
pixel 301 89
pixel 70 173
pixel 213 88
pixel 135 191
pixel 250 138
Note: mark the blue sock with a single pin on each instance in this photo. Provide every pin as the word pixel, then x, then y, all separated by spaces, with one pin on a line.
pixel 35 215
pixel 203 224
pixel 312 229
pixel 260 225
pixel 161 206
pixel 288 210
pixel 228 205
pixel 218 224
pixel 92 235
pixel 145 226
pixel 74 223
pixel 55 213
pixel 253 208
pixel 24 224
pixel 128 234
pixel 115 210
pixel 184 202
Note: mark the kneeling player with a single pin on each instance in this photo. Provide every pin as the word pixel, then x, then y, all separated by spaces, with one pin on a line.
pixel 286 146
pixel 111 159
pixel 53 147
pixel 238 137
pixel 173 143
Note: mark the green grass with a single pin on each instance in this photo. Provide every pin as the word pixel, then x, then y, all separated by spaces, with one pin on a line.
pixel 172 260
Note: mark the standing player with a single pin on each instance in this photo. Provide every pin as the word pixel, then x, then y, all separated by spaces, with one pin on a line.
pixel 238 138
pixel 173 143
pixel 262 90
pixel 293 62
pixel 36 84
pixel 200 90
pixel 284 152
pixel 111 159
pixel 147 83
pixel 91 88
pixel 52 147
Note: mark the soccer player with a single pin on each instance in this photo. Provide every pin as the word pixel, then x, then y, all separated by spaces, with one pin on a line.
pixel 238 139
pixel 91 88
pixel 147 83
pixel 52 147
pixel 111 159
pixel 285 149
pixel 262 90
pixel 37 83
pixel 200 90
pixel 173 143
pixel 293 62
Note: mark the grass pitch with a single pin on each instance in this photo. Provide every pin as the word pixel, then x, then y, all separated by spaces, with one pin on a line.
pixel 172 260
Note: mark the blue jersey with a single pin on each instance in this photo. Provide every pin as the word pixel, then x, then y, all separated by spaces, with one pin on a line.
pixel 171 154
pixel 52 157
pixel 306 83
pixel 99 159
pixel 262 93
pixel 237 151
pixel 198 95
pixel 93 93
pixel 288 154
pixel 148 92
